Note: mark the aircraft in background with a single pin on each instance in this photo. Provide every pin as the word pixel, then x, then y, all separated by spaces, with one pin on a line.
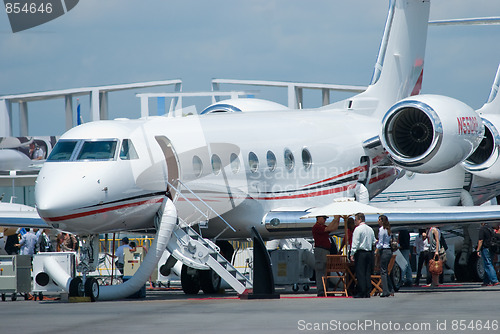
pixel 24 153
pixel 250 163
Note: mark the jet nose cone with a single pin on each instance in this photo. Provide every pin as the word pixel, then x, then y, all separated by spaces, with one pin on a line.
pixel 56 193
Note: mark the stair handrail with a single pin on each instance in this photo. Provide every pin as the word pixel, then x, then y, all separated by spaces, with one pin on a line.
pixel 202 201
pixel 187 199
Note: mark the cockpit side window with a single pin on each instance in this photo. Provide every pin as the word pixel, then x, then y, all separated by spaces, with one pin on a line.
pixel 98 150
pixel 62 151
pixel 128 152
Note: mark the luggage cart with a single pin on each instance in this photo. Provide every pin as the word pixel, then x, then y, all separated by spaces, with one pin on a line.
pixel 15 275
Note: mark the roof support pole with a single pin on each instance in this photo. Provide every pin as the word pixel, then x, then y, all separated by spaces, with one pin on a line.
pixel 144 106
pixel 23 118
pixel 103 105
pixel 292 100
pixel 94 105
pixel 325 96
pixel 5 118
pixel 300 97
pixel 68 101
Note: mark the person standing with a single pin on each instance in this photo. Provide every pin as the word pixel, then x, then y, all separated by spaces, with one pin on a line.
pixel 28 243
pixel 12 245
pixel 404 244
pixel 434 245
pixel 321 235
pixel 385 252
pixel 348 236
pixel 120 262
pixel 35 152
pixel 69 242
pixel 422 251
pixel 363 239
pixel 485 234
pixel 43 241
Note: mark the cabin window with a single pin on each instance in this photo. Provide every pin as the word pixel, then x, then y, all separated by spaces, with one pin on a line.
pixel 253 162
pixel 235 163
pixel 62 151
pixel 128 152
pixel 97 150
pixel 216 164
pixel 289 160
pixel 197 166
pixel 271 161
pixel 306 159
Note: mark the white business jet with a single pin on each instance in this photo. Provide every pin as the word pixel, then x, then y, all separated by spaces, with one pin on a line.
pixel 253 163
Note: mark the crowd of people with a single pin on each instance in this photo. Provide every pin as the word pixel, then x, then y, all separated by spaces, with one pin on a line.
pixel 368 252
pixel 26 241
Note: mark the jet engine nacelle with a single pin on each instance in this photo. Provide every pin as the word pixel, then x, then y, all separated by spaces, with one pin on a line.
pixel 484 160
pixel 242 105
pixel 430 133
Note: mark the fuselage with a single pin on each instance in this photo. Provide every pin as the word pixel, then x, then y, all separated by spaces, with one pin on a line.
pixel 112 175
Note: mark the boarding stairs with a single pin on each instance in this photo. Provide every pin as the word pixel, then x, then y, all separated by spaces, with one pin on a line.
pixel 189 247
pixel 193 250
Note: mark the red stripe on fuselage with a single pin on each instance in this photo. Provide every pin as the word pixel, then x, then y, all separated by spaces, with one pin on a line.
pixel 98 211
pixel 352 171
pixel 314 194
pixel 381 176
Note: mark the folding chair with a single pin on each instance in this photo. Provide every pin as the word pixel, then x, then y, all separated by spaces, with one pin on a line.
pixel 337 264
pixel 377 278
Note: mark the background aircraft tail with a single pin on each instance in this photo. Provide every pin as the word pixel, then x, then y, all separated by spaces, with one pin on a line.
pixel 399 69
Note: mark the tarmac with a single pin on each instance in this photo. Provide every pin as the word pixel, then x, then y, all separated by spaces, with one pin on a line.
pixel 450 308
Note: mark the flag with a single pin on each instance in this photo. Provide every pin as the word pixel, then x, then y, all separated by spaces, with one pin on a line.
pixel 78 113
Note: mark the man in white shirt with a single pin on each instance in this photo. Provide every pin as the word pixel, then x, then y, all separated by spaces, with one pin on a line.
pixel 363 239
pixel 28 243
pixel 120 262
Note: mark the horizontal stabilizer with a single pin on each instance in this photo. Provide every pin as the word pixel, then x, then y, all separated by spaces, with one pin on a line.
pixel 469 21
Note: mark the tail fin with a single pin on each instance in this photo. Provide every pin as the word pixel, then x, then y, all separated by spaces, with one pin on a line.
pixel 492 106
pixel 399 69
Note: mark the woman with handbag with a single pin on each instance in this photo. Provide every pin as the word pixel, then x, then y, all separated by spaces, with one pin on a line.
pixel 385 253
pixel 435 262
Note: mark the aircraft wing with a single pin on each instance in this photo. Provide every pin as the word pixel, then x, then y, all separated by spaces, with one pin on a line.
pixel 22 219
pixel 412 216
pixel 444 215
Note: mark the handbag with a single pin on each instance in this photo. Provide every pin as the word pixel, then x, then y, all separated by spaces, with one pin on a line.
pixel 436 265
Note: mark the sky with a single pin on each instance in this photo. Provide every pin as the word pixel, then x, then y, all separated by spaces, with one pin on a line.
pixel 123 41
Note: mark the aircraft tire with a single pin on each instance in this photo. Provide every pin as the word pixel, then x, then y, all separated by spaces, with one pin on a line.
pixel 190 280
pixel 92 289
pixel 476 268
pixel 462 273
pixel 209 281
pixel 396 277
pixel 75 287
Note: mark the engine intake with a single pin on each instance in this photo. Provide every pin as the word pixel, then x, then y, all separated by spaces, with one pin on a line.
pixel 430 133
pixel 483 161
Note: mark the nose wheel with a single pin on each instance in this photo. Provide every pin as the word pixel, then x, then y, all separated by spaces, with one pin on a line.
pixel 92 289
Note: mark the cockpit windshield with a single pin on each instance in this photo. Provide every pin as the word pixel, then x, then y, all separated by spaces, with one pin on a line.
pixel 97 150
pixel 70 150
pixel 62 151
